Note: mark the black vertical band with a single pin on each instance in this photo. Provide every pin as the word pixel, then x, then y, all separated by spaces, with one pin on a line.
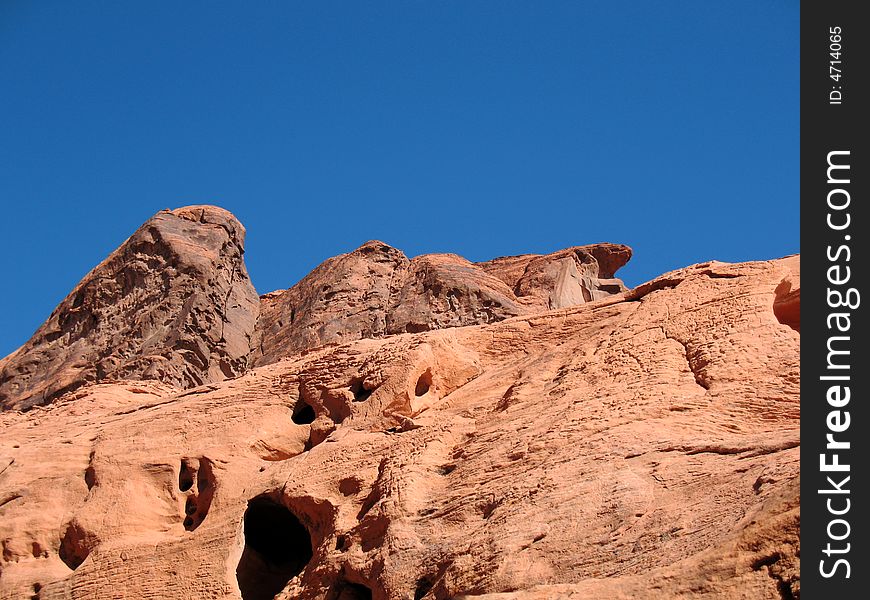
pixel 835 421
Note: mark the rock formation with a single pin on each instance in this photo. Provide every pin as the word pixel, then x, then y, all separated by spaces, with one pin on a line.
pixel 174 303
pixel 422 429
pixel 377 291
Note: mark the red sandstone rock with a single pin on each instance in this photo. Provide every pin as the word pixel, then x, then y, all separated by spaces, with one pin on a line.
pixel 173 303
pixel 644 444
pixel 376 291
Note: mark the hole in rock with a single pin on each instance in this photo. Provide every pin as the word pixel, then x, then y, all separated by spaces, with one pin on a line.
pixel 36 550
pixel 303 414
pixel 416 328
pixel 74 546
pixel 787 305
pixel 345 590
pixel 341 543
pixel 785 591
pixel 90 477
pixel 185 477
pixel 424 585
pixel 360 393
pixel 277 549
pixel 349 486
pixel 202 481
pixel 423 384
pixel 197 504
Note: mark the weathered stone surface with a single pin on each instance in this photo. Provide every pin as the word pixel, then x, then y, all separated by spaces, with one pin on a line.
pixel 376 291
pixel 644 444
pixel 345 298
pixel 565 278
pixel 174 303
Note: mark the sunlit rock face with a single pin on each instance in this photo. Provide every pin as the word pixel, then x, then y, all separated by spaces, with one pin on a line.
pixel 174 303
pixel 396 428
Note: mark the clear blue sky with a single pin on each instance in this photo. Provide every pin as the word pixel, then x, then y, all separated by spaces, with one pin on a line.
pixel 481 128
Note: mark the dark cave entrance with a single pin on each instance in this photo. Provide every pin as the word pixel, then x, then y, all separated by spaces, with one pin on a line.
pixel 277 549
pixel 303 413
pixel 423 384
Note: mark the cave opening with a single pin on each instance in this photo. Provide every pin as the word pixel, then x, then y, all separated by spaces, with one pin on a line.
pixel 277 549
pixel 185 476
pixel 345 590
pixel 303 413
pixel 423 384
pixel 360 392
pixel 75 545
pixel 787 305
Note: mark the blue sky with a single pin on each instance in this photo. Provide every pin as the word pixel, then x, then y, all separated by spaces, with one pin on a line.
pixel 481 128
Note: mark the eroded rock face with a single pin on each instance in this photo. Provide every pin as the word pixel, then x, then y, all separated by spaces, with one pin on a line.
pixel 376 291
pixel 345 298
pixel 565 278
pixel 174 303
pixel 644 443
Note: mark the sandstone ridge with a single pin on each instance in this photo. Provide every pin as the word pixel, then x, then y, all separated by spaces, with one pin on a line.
pixel 409 429
pixel 175 304
pixel 376 291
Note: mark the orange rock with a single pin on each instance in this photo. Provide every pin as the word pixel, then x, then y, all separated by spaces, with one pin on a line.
pixel 641 444
pixel 174 303
pixel 376 291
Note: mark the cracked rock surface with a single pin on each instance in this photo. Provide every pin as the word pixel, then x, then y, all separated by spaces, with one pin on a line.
pixel 642 443
pixel 174 303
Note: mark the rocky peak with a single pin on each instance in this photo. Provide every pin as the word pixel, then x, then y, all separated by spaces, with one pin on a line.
pixel 173 303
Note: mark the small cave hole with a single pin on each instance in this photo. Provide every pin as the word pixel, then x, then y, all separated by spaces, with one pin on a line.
pixel 342 543
pixel 303 414
pixel 198 503
pixel 424 586
pixel 185 476
pixel 423 384
pixel 360 392
pixel 787 305
pixel 349 486
pixel 37 551
pixel 74 546
pixel 78 300
pixel 446 469
pixel 277 549
pixel 90 477
pixel 346 590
